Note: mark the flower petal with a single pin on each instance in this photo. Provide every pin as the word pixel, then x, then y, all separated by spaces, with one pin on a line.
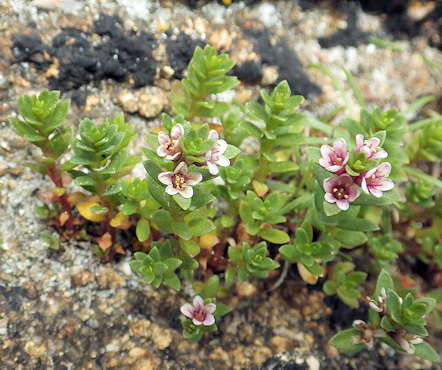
pixel 364 186
pixel 187 310
pixel 330 183
pixel 198 302
pixel 386 185
pixel 329 197
pixel 342 204
pixel 177 131
pixel 187 192
pixel 222 161
pixel 377 193
pixel 210 307
pixel 384 169
pixel 221 146
pixel 352 193
pixel 181 168
pixel 213 168
pixel 161 151
pixel 197 322
pixel 326 151
pixel 163 137
pixel 165 178
pixel 171 190
pixel 380 155
pixel 359 142
pixel 193 178
pixel 209 320
pixel 174 157
pixel 346 179
pixel 340 147
pixel 213 135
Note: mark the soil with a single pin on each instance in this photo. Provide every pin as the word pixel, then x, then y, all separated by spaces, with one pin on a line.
pixel 67 310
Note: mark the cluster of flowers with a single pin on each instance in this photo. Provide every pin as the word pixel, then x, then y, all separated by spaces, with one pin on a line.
pixel 367 334
pixel 341 189
pixel 180 181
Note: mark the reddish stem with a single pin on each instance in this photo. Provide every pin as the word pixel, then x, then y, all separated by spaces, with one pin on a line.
pixel 55 176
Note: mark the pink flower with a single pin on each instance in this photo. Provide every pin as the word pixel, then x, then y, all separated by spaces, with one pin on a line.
pixel 375 180
pixel 334 158
pixel 214 157
pixel 179 181
pixel 169 147
pixel 339 190
pixel 199 313
pixel 370 147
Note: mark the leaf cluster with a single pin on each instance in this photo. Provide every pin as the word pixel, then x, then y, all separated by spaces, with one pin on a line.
pixel 304 250
pixel 247 261
pixel 158 265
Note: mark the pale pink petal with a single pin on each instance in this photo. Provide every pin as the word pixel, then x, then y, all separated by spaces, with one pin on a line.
pixel 210 307
pixel 346 179
pixel 221 146
pixel 177 131
pixel 173 157
pixel 222 161
pixel 334 168
pixel 346 159
pixel 380 155
pixel 324 162
pixel 187 192
pixel 161 151
pixel 181 168
pixel 187 310
pixel 386 185
pixel 171 190
pixel 352 193
pixel 329 184
pixel 359 141
pixel 165 178
pixel 213 135
pixel 197 322
pixel 373 142
pixel 384 168
pixel 209 320
pixel 213 168
pixel 198 301
pixel 364 186
pixel 163 137
pixel 370 173
pixel 330 198
pixel 340 146
pixel 342 204
pixel 377 193
pixel 193 178
pixel 326 150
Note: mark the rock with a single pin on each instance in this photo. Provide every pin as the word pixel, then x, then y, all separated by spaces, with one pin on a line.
pixel 245 289
pixel 221 39
pixel 128 101
pixel 141 359
pixel 139 328
pixel 152 102
pixel 260 355
pixel 219 355
pixel 162 337
pixel 281 344
pixel 35 350
pixel 269 75
pixel 148 102
pixel 313 363
pixel 81 277
pixel 108 278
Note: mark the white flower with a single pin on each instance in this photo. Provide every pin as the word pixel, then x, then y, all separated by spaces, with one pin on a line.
pixel 169 147
pixel 179 181
pixel 214 157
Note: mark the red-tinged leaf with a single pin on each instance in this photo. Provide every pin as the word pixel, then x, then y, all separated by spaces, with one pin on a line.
pixel 104 241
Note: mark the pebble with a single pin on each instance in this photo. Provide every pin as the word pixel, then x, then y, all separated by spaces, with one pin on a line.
pixel 281 344
pixel 162 337
pixel 81 277
pixel 108 278
pixel 149 102
pixel 245 289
